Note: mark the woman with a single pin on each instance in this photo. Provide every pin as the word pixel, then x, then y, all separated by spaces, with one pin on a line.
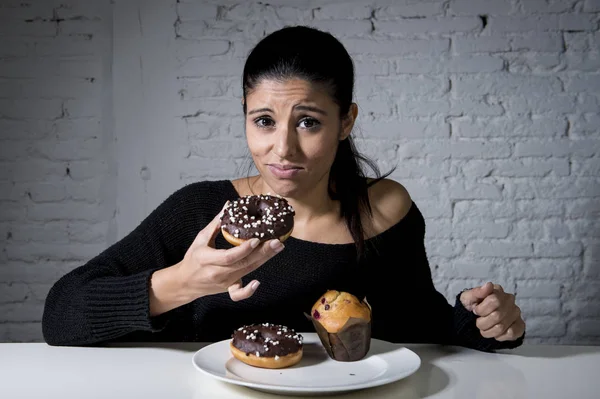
pixel 174 278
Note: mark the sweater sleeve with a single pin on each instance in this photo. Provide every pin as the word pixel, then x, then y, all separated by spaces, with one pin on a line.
pixel 108 297
pixel 425 314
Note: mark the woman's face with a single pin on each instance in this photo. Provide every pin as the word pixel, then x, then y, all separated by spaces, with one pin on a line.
pixel 293 129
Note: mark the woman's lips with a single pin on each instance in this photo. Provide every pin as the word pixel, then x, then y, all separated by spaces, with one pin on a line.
pixel 284 171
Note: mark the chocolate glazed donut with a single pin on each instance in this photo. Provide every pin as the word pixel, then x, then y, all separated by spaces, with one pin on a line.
pixel 267 345
pixel 264 217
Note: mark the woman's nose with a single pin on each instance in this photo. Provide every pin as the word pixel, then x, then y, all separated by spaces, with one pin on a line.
pixel 286 142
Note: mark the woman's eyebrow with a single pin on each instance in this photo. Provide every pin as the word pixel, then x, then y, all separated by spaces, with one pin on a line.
pixel 259 110
pixel 310 108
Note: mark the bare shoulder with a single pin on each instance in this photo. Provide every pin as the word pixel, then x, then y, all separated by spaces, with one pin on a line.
pixel 390 202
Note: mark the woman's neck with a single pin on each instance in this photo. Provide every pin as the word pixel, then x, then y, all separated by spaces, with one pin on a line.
pixel 309 204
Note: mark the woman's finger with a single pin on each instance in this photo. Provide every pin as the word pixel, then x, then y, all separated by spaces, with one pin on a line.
pixel 237 292
pixel 232 256
pixel 502 326
pixel 513 332
pixel 490 304
pixel 263 253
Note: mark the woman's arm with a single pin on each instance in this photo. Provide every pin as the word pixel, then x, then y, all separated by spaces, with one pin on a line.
pixel 402 291
pixel 109 296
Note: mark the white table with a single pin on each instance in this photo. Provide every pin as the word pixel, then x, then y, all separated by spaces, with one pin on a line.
pixel 166 371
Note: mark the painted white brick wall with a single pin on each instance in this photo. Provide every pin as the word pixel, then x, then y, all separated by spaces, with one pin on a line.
pixel 490 109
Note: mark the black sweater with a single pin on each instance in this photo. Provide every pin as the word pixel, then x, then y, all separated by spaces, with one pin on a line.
pixel 107 299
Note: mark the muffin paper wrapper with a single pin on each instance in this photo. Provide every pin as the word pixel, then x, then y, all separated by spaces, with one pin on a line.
pixel 351 343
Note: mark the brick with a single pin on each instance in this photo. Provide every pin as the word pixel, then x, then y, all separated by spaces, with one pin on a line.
pixel 537 41
pixel 11 293
pixel 558 250
pixel 93 233
pixel 77 129
pixel 35 28
pixel 555 104
pixel 23 332
pixel 434 209
pixel 588 102
pixel 342 11
pixel 200 130
pixel 30 170
pixel 578 22
pixel 468 229
pixel 583 83
pixel 416 65
pixel 24 129
pixel 54 252
pixel 52 232
pixel 418 9
pixel 584 228
pixel 200 87
pixel 204 47
pixel 483 210
pixel 509 84
pixel 471 269
pixel 586 62
pixel 536 63
pixel 516 168
pixel 420 189
pixel 480 44
pixel 40 291
pixel 225 106
pixel 583 208
pixel 92 108
pixel 47 192
pixel 428 26
pixel 444 248
pixel 39 272
pixel 344 28
pixel 57 87
pixel 462 191
pixel 82 170
pixel 481 149
pixel 537 289
pixel 590 167
pixel 438 228
pixel 397 47
pixel 539 208
pixel 30 108
pixel 208 148
pixel 585 327
pixel 577 41
pixel 414 85
pixel 208 66
pixel 592 6
pixel 557 148
pixel 395 130
pixel 563 188
pixel 418 168
pixel 66 211
pixel 11 211
pixel 24 311
pixel 547 268
pixel 486 7
pixel 546 326
pixel 83 28
pixel 196 11
pixel 579 309
pixel 531 307
pixel 547 6
pixel 499 249
pixel 472 107
pixel 591 261
pixel 582 290
pixel 556 231
pixel 536 23
pixel 473 64
pixel 509 127
pixel 75 149
pixel 371 67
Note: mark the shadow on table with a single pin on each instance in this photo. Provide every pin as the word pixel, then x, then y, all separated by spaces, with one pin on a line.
pixel 177 346
pixel 550 351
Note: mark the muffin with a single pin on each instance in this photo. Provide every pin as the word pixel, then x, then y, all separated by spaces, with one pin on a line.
pixel 343 324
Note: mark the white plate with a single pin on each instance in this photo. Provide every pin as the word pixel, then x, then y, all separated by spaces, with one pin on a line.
pixel 316 373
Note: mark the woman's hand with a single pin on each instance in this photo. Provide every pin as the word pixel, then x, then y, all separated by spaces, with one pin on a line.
pixel 499 316
pixel 205 270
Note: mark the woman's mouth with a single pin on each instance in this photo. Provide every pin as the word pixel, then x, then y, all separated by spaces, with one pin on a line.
pixel 282 171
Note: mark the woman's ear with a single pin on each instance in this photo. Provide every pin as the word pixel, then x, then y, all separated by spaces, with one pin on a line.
pixel 348 121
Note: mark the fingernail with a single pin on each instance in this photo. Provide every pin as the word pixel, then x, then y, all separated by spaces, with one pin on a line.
pixel 276 245
pixel 255 285
pixel 254 242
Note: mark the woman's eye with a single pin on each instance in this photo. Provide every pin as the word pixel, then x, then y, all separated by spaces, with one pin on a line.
pixel 263 122
pixel 309 123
